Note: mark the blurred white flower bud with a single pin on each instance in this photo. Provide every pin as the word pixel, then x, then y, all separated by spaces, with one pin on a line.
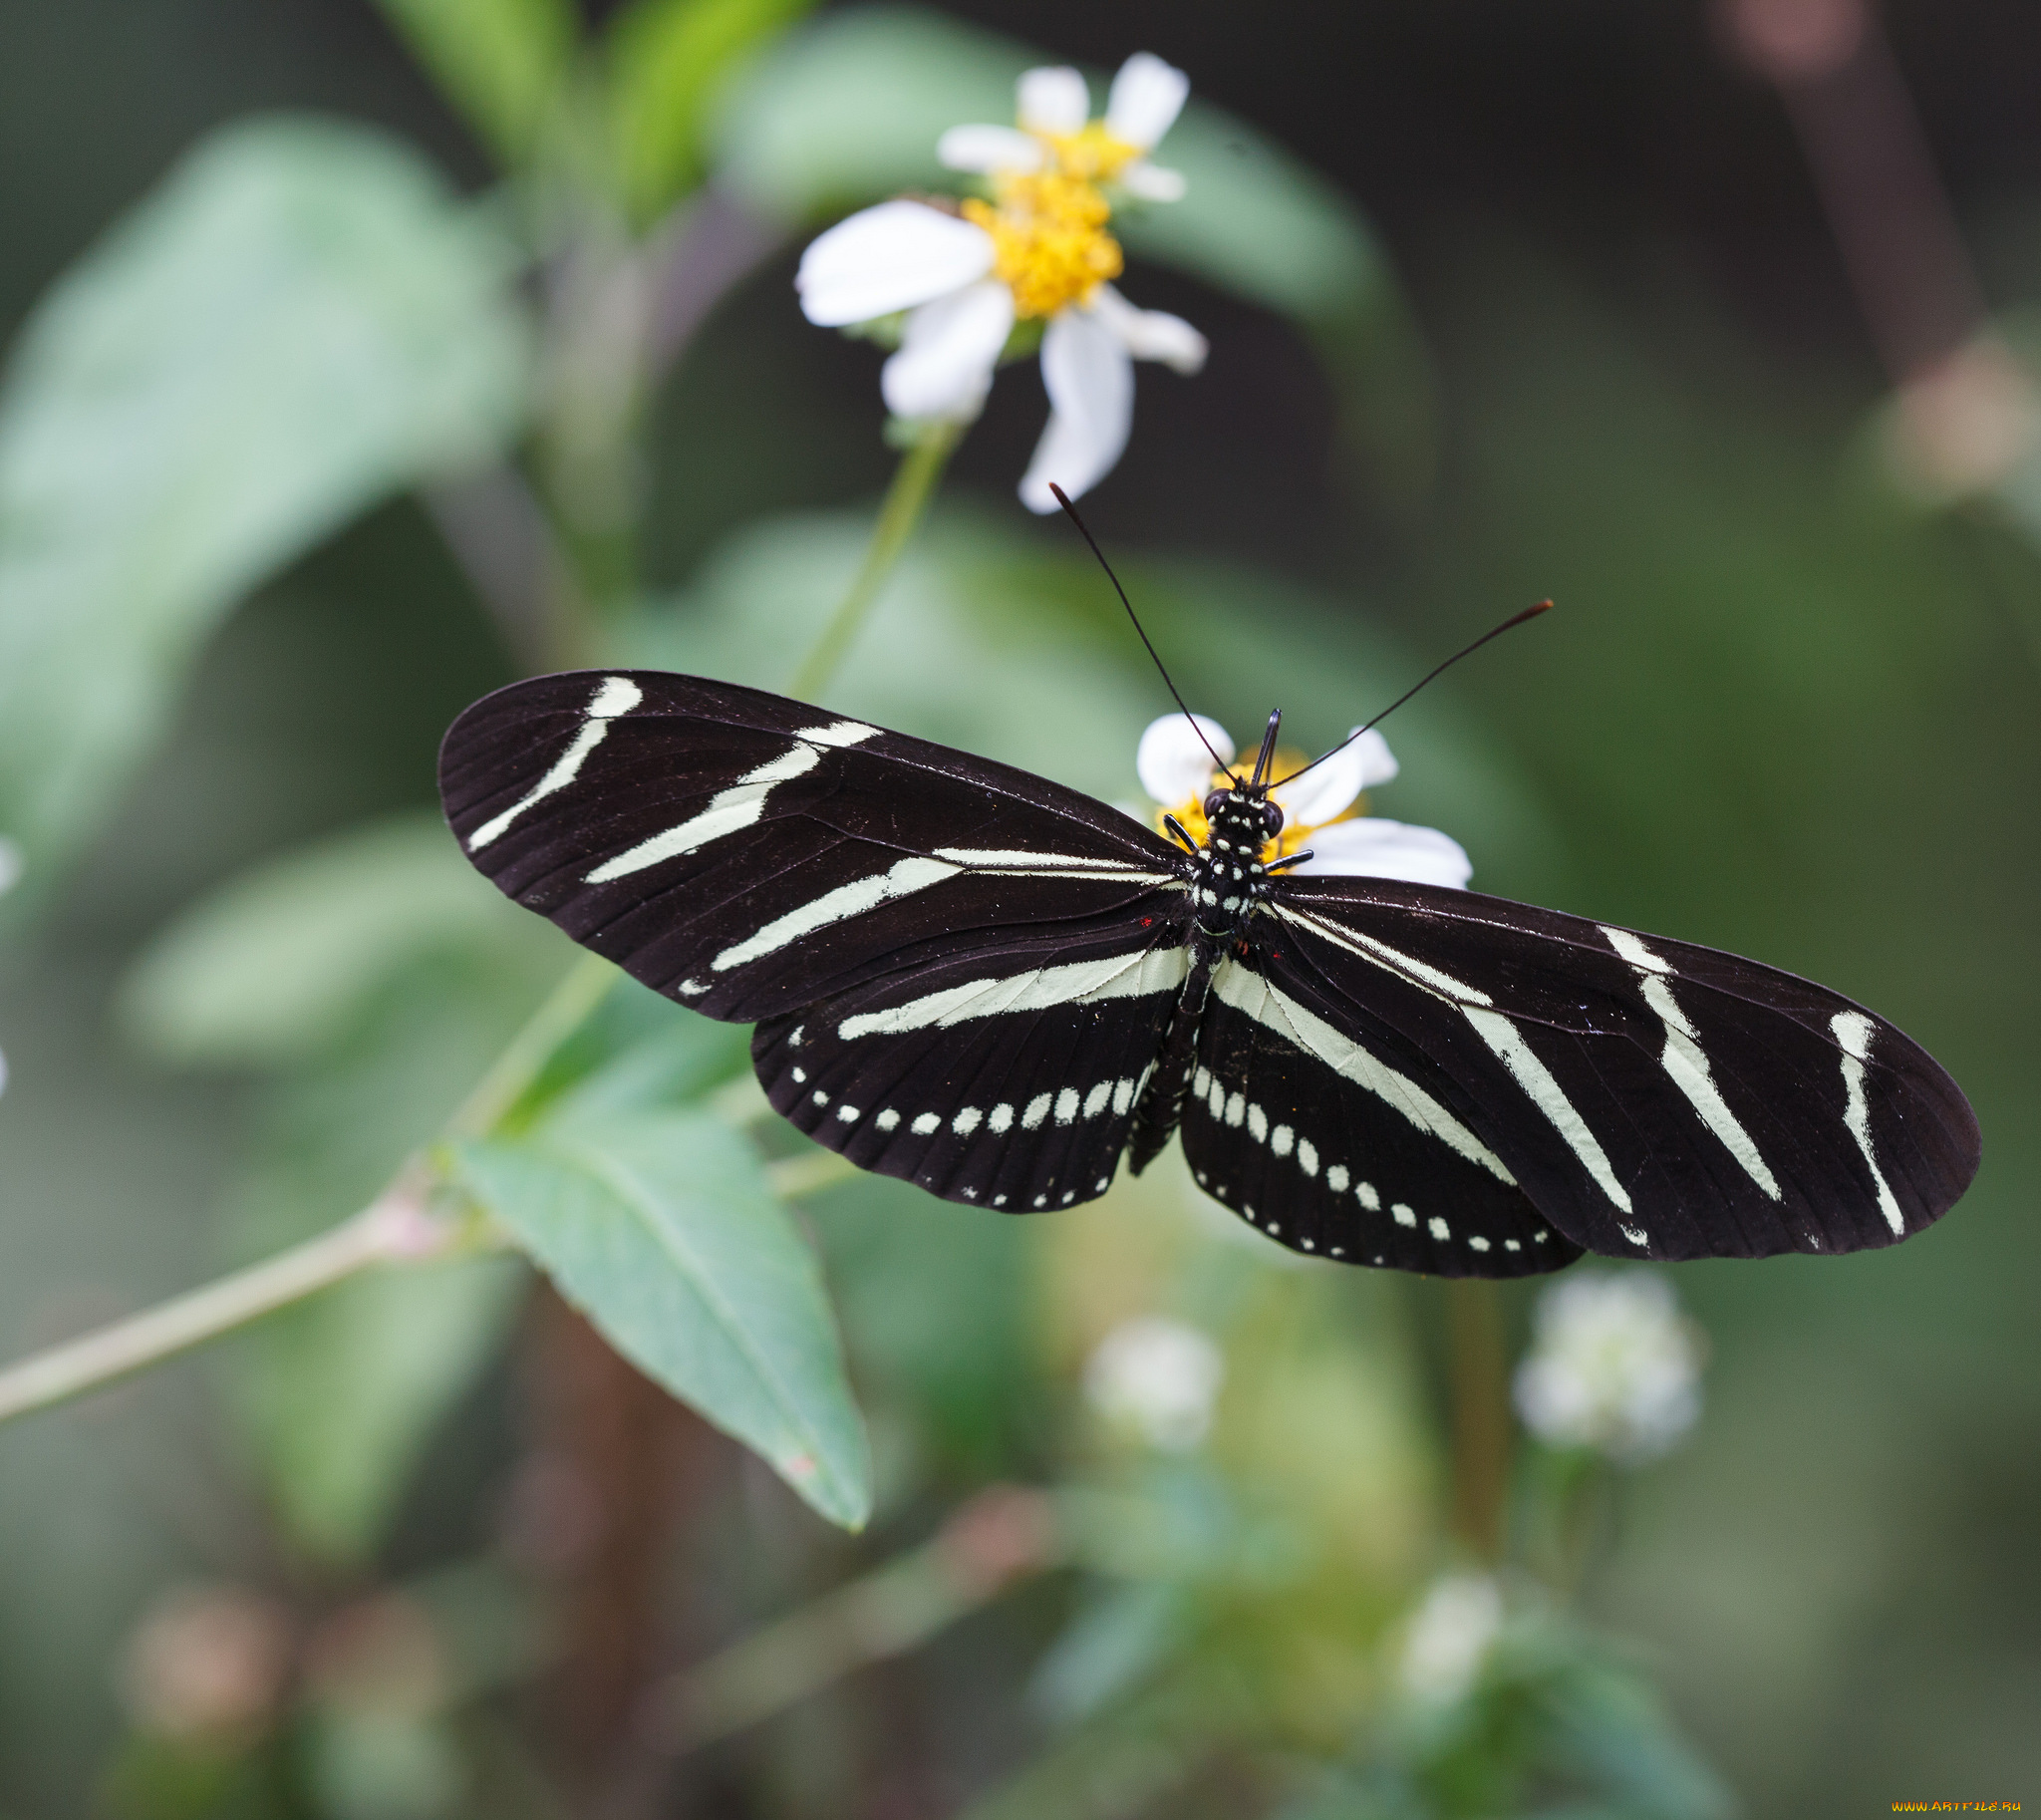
pixel 1158 1377
pixel 1450 1637
pixel 207 1662
pixel 1612 1366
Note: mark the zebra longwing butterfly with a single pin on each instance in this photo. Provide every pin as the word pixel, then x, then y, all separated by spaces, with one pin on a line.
pixel 990 985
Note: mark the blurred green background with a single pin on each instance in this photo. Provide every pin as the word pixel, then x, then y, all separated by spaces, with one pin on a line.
pixel 1560 313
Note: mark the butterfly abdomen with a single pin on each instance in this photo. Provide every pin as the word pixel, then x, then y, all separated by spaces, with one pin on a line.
pixel 1161 1107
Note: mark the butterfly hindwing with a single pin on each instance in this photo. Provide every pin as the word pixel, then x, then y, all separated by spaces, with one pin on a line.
pixel 1343 1145
pixel 1348 1143
pixel 748 855
pixel 1651 1097
pixel 1005 1078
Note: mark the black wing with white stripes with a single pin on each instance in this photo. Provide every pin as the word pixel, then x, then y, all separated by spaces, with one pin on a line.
pixel 1519 1069
pixel 971 978
pixel 1330 1130
pixel 961 970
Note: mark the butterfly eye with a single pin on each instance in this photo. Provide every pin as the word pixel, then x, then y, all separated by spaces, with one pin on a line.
pixel 1212 805
pixel 1272 817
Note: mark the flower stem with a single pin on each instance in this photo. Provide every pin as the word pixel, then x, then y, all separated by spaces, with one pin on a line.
pixel 906 498
pixel 395 1227
pixel 1481 1413
pixel 569 1005
pixel 1585 1510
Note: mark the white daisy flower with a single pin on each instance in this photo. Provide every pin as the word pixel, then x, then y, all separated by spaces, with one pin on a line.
pixel 1037 252
pixel 1450 1637
pixel 1159 1378
pixel 1176 771
pixel 1612 1366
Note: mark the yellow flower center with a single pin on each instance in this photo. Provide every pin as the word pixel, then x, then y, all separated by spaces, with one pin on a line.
pixel 1091 153
pixel 1295 837
pixel 1050 244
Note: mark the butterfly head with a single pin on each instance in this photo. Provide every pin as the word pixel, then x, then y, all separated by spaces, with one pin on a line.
pixel 1244 813
pixel 1243 817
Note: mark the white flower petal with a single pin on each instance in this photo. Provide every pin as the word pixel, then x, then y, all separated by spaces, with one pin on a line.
pixel 1329 788
pixel 1172 762
pixel 889 258
pixel 1451 1636
pixel 947 354
pixel 1147 96
pixel 1090 382
pixel 1150 334
pixel 1054 101
pixel 1373 847
pixel 1326 790
pixel 989 149
pixel 1378 763
pixel 1151 182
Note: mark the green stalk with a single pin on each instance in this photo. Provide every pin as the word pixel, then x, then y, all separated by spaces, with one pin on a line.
pixel 568 1006
pixel 906 500
pixel 394 1228
pixel 1481 1413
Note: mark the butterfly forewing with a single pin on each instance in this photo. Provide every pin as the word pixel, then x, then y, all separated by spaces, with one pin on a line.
pixel 750 855
pixel 1653 1098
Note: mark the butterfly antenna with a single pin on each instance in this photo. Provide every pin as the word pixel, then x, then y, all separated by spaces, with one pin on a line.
pixel 1515 619
pixel 1084 530
pixel 1265 759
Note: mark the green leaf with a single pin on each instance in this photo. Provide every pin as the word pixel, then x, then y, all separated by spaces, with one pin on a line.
pixel 655 1054
pixel 501 63
pixel 277 963
pixel 1610 1727
pixel 848 110
pixel 660 1228
pixel 298 322
pixel 667 58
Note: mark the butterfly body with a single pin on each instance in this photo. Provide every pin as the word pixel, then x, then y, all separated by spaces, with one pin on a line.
pixel 979 980
pixel 1226 885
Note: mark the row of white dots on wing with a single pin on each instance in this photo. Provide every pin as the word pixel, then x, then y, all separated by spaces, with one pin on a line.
pixel 1236 1109
pixel 1064 1107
